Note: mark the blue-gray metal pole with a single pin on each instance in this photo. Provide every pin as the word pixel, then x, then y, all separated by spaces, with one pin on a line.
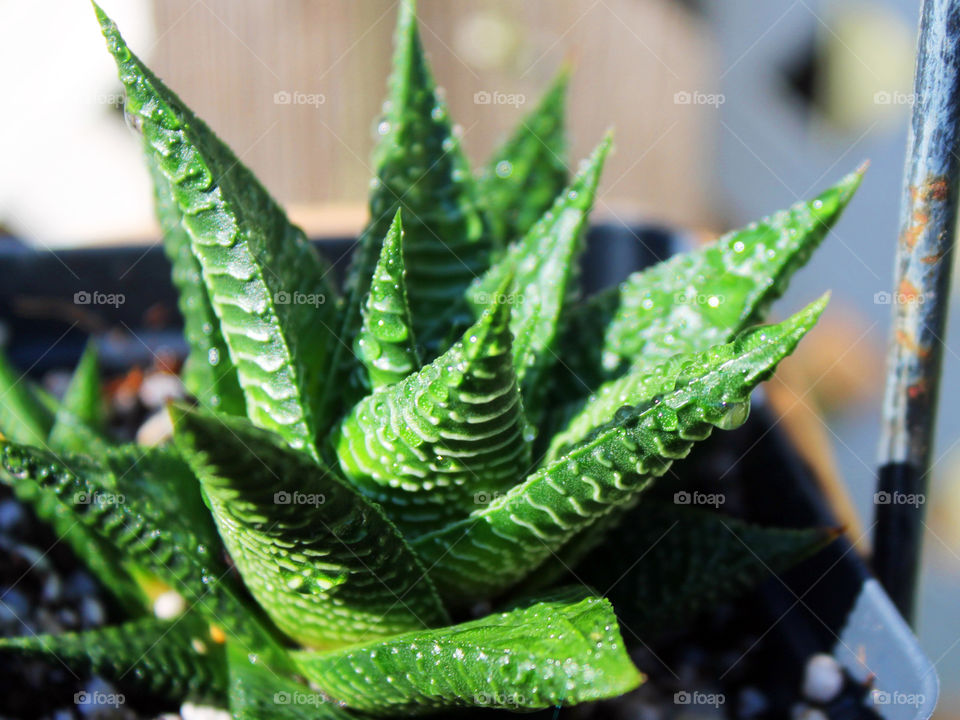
pixel 921 295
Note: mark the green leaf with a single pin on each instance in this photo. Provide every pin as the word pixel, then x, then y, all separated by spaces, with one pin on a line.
pixel 326 565
pixel 23 415
pixel 421 168
pixel 147 534
pixel 526 173
pixel 80 420
pixel 386 345
pixel 695 299
pixel 543 265
pixel 428 447
pixel 663 563
pixel 705 297
pixel 559 651
pixel 258 693
pixel 159 478
pixel 99 556
pixel 26 417
pixel 208 373
pixel 170 659
pixel 497 545
pixel 267 285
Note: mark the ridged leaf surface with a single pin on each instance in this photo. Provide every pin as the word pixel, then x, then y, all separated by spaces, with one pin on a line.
pixel 146 534
pixel 543 265
pixel 559 651
pixel 664 563
pixel 326 565
pixel 267 285
pixel 258 693
pixel 524 175
pixel 386 345
pixel 172 659
pixel 421 169
pixel 701 298
pixel 431 446
pixel 208 372
pixel 497 545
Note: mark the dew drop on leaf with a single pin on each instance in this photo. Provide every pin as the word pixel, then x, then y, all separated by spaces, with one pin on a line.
pixel 734 415
pixel 504 169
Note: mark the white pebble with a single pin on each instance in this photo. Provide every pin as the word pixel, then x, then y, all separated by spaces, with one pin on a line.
pixel 169 605
pixel 92 612
pixel 11 514
pixel 52 589
pixel 155 430
pixel 805 712
pixel 822 678
pixel 158 388
pixel 189 711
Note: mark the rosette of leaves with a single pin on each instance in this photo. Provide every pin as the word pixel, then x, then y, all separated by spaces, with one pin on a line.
pixel 351 508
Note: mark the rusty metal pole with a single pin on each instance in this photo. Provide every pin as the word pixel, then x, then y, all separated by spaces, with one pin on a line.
pixel 921 295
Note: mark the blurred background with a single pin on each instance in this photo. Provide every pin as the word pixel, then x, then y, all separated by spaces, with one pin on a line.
pixel 723 111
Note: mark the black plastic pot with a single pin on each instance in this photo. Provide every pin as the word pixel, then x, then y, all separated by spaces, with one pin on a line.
pixel 830 603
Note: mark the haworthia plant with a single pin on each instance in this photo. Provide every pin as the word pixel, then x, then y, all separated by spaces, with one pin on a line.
pixel 268 287
pixel 421 169
pixel 367 475
pixel 427 447
pixel 497 545
pixel 701 298
pixel 543 265
pixel 80 419
pixel 208 373
pixel 525 174
pixel 486 662
pixel 351 575
pixel 170 658
pixel 386 345
pixel 693 559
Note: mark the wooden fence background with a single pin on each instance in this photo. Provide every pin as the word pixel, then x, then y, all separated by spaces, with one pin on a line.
pixel 228 59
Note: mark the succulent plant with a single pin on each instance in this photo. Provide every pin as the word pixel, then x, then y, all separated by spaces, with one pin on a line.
pixel 366 507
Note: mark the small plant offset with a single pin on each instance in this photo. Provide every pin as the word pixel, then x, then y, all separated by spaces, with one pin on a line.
pixel 373 506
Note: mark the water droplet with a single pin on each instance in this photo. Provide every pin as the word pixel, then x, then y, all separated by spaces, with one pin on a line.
pixel 504 169
pixel 213 356
pixel 383 128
